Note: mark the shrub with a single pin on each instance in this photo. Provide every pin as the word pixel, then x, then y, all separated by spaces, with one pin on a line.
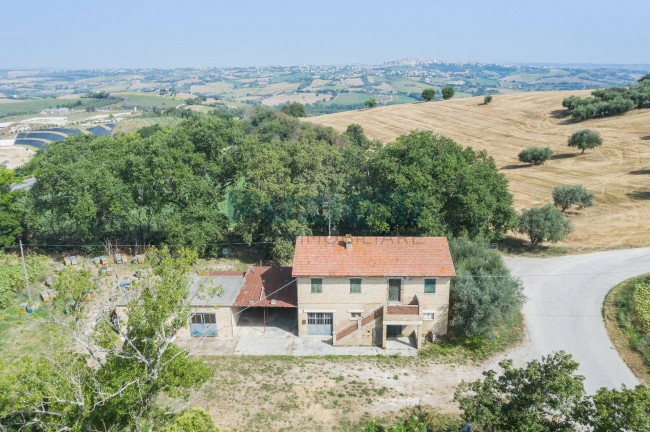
pixel 641 304
pixel 565 196
pixel 487 99
pixel 544 224
pixel 535 155
pixel 585 139
pixel 480 305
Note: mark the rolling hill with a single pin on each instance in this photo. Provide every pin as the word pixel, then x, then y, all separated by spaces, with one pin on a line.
pixel 618 172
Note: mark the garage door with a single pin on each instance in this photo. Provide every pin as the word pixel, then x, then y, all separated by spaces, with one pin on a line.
pixel 203 325
pixel 319 323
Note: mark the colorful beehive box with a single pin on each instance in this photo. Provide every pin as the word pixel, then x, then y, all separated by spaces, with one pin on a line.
pixel 103 259
pixel 126 283
pixel 67 261
pixel 48 282
pixel 88 296
pixel 33 307
pixel 97 260
pixel 121 258
pixel 73 260
pixel 23 307
pixel 45 295
pixel 68 308
pixel 139 259
pixel 142 273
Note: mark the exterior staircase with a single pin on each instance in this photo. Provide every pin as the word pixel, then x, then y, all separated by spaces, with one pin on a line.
pixel 400 313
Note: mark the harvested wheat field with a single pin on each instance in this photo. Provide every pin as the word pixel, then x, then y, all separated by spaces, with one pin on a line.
pixel 618 172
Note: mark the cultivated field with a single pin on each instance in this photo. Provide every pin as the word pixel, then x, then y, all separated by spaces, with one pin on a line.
pixel 618 172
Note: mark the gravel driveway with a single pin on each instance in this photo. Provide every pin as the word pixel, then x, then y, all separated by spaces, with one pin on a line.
pixel 564 308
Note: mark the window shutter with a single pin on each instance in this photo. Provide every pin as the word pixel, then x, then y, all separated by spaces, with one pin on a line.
pixel 317 285
pixel 429 286
pixel 355 286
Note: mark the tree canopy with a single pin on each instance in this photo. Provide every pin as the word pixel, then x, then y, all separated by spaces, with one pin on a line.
pixel 10 213
pixel 544 224
pixel 370 103
pixel 609 101
pixel 428 94
pixel 484 296
pixel 566 196
pixel 265 179
pixel 585 139
pixel 294 109
pixel 535 155
pixel 448 92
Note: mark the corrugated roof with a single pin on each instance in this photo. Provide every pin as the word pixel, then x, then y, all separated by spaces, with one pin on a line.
pixel 203 290
pixel 268 287
pixel 372 256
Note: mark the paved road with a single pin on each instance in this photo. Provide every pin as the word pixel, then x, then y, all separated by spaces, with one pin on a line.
pixel 564 308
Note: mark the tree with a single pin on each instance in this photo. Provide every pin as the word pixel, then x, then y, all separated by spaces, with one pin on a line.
pixel 426 184
pixel 544 224
pixel 565 196
pixel 356 136
pixel 535 155
pixel 124 374
pixel 428 94
pixel 10 214
pixel 294 109
pixel 487 99
pixel 448 92
pixel 480 303
pixel 546 395
pixel 585 139
pixel 621 410
pixel 370 103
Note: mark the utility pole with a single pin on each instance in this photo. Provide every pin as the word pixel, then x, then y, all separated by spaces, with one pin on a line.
pixel 22 254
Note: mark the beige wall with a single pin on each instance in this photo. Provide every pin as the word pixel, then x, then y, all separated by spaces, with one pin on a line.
pixel 336 298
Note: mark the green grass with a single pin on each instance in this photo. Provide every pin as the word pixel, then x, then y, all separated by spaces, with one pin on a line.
pixel 620 302
pixel 8 109
pixel 476 349
pixel 23 334
pixel 149 100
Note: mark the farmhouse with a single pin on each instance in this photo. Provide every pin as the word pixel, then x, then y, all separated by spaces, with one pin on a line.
pixel 362 290
pixel 354 290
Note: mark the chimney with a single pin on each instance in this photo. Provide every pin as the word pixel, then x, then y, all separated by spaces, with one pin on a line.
pixel 348 241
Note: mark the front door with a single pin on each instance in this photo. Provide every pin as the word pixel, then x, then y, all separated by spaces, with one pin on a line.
pixel 319 323
pixel 394 289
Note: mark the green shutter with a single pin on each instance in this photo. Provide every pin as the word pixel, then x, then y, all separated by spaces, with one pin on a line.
pixel 429 286
pixel 355 286
pixel 317 285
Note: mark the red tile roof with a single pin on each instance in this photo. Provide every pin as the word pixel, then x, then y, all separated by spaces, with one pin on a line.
pixel 268 284
pixel 373 256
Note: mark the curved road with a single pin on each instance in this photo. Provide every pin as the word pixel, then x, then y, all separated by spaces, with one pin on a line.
pixel 564 308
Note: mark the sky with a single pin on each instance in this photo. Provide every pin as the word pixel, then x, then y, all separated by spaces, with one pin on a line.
pixel 77 34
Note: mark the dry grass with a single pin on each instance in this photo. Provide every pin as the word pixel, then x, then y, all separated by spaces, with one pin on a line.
pixel 617 173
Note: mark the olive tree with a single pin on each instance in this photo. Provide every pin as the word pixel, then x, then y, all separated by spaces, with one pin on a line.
pixel 535 155
pixel 565 196
pixel 487 99
pixel 585 139
pixel 428 94
pixel 544 224
pixel 370 103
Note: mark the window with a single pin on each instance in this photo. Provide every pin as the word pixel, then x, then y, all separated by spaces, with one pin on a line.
pixel 317 285
pixel 428 316
pixel 429 286
pixel 355 315
pixel 204 318
pixel 319 318
pixel 355 286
